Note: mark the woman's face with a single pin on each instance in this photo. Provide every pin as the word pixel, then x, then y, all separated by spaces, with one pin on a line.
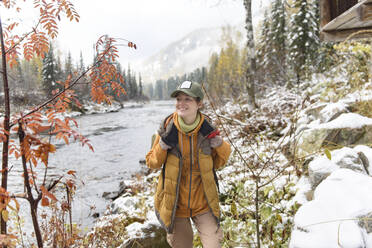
pixel 186 106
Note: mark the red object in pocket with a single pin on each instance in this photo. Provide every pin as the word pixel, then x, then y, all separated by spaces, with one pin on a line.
pixel 213 134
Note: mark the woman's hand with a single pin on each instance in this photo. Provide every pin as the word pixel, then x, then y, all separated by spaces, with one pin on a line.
pixel 216 141
pixel 169 138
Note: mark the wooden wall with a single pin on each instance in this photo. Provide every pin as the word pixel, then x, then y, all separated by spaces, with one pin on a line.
pixel 337 7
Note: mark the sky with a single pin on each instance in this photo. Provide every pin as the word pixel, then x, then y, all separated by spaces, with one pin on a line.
pixel 152 25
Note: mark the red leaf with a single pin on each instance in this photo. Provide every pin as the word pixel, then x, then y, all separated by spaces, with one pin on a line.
pixel 44 202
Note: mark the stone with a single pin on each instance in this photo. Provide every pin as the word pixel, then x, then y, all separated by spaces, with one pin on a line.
pixel 334 134
pixel 319 169
pixel 153 236
pixel 348 158
pixel 365 221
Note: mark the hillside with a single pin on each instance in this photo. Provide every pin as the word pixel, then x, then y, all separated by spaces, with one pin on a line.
pixel 184 55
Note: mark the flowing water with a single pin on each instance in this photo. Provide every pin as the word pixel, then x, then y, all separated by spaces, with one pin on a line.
pixel 120 140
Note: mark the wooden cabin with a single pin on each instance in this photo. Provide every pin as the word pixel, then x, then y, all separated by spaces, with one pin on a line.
pixel 341 18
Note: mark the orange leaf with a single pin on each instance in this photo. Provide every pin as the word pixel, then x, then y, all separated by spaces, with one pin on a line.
pixel 66 139
pixel 71 172
pixel 47 193
pixel 44 202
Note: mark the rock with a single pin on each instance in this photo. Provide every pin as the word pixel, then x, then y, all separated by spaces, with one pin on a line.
pixel 347 129
pixel 365 155
pixel 115 194
pixel 348 158
pixel 319 169
pixel 365 221
pixel 153 237
pixel 123 204
pixel 330 218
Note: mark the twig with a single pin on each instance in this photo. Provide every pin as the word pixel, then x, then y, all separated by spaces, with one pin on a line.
pixel 227 134
pixel 64 90
pixel 24 37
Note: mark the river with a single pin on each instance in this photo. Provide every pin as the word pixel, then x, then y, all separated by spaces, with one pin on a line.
pixel 120 139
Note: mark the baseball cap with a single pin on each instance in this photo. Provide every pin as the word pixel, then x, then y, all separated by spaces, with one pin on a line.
pixel 189 88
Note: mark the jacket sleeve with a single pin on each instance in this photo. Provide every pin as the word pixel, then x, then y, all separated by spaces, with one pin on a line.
pixel 221 155
pixel 155 158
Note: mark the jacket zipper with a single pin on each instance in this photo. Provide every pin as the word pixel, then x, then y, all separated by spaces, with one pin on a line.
pixel 205 195
pixel 191 162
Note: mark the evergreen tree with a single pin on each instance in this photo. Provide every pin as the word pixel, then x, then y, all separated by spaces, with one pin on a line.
pixel 303 39
pixel 159 89
pixel 140 93
pixel 272 53
pixel 134 92
pixel 19 75
pixel 49 72
pixel 68 65
pixel 129 83
pixel 172 85
pixel 81 66
pixel 126 86
pixel 150 90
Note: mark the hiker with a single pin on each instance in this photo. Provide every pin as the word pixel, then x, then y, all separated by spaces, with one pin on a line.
pixel 189 149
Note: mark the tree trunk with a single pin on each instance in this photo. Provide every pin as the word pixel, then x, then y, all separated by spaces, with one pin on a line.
pixel 33 203
pixel 257 216
pixel 4 178
pixel 251 58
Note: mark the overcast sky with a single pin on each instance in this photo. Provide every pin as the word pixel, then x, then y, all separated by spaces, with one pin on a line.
pixel 152 25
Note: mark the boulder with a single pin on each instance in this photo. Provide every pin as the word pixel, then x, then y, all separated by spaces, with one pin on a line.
pixel 347 129
pixel 365 222
pixel 331 219
pixel 321 167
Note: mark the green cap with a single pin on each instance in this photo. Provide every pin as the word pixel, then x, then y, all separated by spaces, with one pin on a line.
pixel 189 88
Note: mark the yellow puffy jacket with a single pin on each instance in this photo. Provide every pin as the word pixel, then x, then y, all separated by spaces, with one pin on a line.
pixel 187 185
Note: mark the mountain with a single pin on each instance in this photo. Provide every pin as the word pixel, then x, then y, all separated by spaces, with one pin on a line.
pixel 184 55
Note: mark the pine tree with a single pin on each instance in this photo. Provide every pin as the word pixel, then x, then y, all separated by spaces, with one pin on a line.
pixel 272 53
pixel 134 92
pixel 303 39
pixel 81 67
pixel 250 72
pixel 49 72
pixel 171 85
pixel 129 83
pixel 68 65
pixel 140 85
pixel 159 89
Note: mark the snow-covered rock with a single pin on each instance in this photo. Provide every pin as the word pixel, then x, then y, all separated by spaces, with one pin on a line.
pixel 346 129
pixel 321 167
pixel 331 219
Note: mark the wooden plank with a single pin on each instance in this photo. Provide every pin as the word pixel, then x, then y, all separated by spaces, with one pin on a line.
pixel 341 35
pixel 341 22
pixel 365 12
pixel 325 13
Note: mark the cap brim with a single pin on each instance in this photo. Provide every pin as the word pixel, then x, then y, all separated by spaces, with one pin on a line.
pixel 174 94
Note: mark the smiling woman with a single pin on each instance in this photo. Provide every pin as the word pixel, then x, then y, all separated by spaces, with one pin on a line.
pixel 189 149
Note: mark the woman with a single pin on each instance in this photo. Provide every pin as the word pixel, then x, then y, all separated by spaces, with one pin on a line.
pixel 189 149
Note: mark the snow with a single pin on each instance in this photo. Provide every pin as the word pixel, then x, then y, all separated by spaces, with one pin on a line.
pixel 322 165
pixel 303 186
pixel 332 216
pixel 346 120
